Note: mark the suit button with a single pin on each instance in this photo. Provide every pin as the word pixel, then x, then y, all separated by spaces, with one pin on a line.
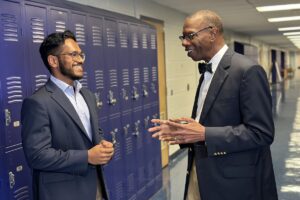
pixel 187 172
pixel 215 154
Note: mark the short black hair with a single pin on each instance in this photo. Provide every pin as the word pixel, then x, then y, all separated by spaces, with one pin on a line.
pixel 52 43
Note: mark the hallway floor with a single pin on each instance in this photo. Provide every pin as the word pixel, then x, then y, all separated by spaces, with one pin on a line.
pixel 285 149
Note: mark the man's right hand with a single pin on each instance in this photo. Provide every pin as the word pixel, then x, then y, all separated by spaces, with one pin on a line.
pixel 101 153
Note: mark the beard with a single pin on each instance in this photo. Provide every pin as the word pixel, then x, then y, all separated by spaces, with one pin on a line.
pixel 69 72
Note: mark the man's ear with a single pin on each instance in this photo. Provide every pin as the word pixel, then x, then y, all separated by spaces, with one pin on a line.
pixel 213 34
pixel 53 61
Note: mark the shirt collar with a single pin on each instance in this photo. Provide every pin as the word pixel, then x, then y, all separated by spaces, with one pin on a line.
pixel 217 57
pixel 64 86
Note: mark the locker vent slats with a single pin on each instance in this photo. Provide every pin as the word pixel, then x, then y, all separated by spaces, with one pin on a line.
pixel 144 41
pixel 99 79
pixel 154 73
pixel 146 75
pixel 10 28
pixel 60 26
pixel 123 39
pixel 38 30
pixel 14 89
pixel 125 77
pixel 22 193
pixel 40 80
pixel 136 76
pixel 153 41
pixel 111 37
pixel 135 43
pixel 80 33
pixel 113 78
pixel 84 80
pixel 97 35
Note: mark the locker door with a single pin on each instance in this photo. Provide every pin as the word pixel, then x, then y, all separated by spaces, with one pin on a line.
pixel 137 114
pixel 128 148
pixel 12 73
pixel 114 170
pixel 18 175
pixel 3 176
pixel 156 159
pixel 95 64
pixel 111 68
pixel 78 27
pixel 153 90
pixel 57 20
pixel 35 32
pixel 145 64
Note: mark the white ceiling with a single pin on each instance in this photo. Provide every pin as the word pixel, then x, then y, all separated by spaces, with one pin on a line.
pixel 242 17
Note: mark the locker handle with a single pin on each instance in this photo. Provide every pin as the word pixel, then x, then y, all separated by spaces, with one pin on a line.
pixel 12 181
pixel 145 91
pixel 111 99
pixel 7 117
pixel 135 94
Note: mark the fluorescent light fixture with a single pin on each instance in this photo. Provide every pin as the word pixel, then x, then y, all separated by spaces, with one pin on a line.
pixel 289 28
pixel 278 7
pixel 292 33
pixel 283 19
pixel 293 37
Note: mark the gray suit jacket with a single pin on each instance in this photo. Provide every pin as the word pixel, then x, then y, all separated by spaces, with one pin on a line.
pixel 55 145
pixel 235 161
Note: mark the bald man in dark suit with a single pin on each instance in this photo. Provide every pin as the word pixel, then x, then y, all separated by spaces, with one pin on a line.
pixel 231 129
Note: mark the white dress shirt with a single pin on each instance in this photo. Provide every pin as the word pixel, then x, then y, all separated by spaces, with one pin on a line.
pixel 207 79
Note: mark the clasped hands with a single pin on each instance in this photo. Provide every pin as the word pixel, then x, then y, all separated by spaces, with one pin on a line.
pixel 101 153
pixel 178 131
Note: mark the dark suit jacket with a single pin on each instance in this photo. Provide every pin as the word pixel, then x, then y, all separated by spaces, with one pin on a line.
pixel 55 145
pixel 235 161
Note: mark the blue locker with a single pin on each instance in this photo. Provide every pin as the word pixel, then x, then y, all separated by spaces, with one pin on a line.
pixel 128 148
pixel 156 159
pixel 137 116
pixel 115 169
pixel 57 20
pixel 153 90
pixel 111 65
pixel 95 64
pixel 78 27
pixel 35 27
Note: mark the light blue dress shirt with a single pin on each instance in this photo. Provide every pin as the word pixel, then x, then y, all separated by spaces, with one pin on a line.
pixel 78 102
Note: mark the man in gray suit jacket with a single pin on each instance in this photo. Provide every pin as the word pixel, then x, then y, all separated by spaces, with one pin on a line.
pixel 231 129
pixel 61 139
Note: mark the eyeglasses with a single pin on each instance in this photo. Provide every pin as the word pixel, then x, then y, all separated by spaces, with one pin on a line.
pixel 74 55
pixel 191 36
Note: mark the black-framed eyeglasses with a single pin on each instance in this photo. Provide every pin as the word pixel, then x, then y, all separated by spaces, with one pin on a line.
pixel 74 55
pixel 191 36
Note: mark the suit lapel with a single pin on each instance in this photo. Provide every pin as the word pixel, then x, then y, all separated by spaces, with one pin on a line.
pixel 66 105
pixel 216 84
pixel 195 106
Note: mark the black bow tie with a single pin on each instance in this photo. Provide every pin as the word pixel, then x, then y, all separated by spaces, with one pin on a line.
pixel 203 67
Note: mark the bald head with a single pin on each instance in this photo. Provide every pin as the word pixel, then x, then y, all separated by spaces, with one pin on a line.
pixel 209 17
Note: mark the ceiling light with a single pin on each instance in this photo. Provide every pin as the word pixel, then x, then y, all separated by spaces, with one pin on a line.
pixel 278 7
pixel 289 28
pixel 282 19
pixel 293 36
pixel 292 33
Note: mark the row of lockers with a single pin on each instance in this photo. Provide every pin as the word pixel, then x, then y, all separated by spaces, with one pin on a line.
pixel 121 69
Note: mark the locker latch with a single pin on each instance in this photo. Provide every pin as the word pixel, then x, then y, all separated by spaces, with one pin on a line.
pixel 126 128
pixel 111 99
pixel 124 94
pixel 99 103
pixel 135 94
pixel 113 136
pixel 153 88
pixel 12 182
pixel 146 122
pixel 145 91
pixel 136 129
pixel 7 117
